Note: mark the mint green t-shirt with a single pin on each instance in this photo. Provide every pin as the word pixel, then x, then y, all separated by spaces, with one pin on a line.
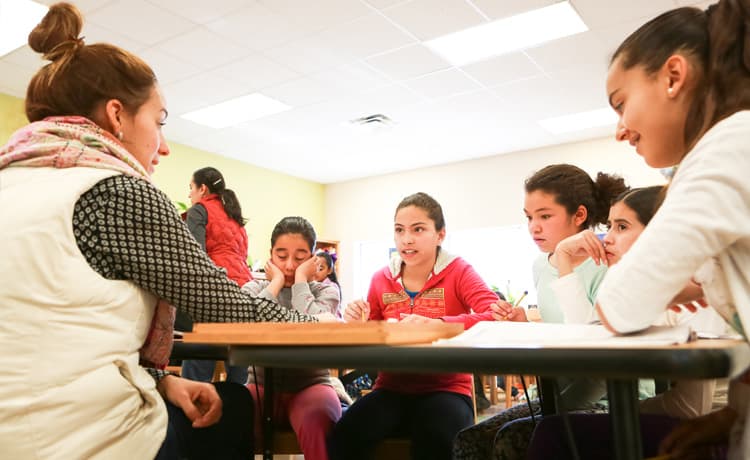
pixel 588 272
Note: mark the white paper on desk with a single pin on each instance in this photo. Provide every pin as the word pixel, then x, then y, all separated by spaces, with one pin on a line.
pixel 506 334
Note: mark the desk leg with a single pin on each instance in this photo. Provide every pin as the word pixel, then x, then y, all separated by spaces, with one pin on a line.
pixel 267 428
pixel 626 426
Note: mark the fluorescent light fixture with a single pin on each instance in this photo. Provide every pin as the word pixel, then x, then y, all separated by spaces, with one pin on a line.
pixel 579 121
pixel 17 19
pixel 236 111
pixel 509 34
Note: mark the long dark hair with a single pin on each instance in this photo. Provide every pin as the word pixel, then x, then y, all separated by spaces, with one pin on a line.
pixel 331 264
pixel 214 181
pixel 644 201
pixel 573 187
pixel 295 224
pixel 426 203
pixel 717 44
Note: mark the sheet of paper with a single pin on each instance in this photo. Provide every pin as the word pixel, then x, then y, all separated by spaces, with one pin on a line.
pixel 500 334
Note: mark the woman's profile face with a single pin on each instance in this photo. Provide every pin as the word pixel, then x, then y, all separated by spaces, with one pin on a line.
pixel 651 118
pixel 142 132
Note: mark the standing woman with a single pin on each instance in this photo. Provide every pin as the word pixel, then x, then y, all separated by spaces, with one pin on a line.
pixel 89 247
pixel 216 221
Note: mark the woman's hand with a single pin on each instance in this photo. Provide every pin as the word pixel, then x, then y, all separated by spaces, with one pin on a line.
pixel 306 270
pixel 692 307
pixel 359 310
pixel 504 311
pixel 690 439
pixel 582 245
pixel 198 400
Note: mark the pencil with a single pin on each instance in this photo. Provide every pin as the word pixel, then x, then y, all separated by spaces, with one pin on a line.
pixel 362 312
pixel 518 301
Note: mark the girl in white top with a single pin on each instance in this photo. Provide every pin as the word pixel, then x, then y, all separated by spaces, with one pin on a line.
pixel 628 217
pixel 681 87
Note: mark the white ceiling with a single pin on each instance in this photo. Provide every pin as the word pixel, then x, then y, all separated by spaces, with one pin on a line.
pixel 337 60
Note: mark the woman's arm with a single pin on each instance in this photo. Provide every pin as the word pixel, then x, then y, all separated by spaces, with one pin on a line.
pixel 129 230
pixel 196 220
pixel 707 209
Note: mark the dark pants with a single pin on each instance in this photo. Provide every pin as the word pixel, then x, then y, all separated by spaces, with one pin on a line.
pixel 593 436
pixel 429 420
pixel 231 438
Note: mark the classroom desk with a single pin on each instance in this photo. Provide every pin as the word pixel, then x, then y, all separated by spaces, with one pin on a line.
pixel 621 368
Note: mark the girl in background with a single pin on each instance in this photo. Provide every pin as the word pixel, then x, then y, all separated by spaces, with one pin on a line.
pixel 304 397
pixel 423 283
pixel 561 201
pixel 681 87
pixel 326 272
pixel 215 220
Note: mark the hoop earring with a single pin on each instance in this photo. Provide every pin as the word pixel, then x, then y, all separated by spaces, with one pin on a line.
pixel 119 136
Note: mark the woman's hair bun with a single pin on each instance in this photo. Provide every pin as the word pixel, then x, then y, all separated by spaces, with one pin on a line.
pixel 57 33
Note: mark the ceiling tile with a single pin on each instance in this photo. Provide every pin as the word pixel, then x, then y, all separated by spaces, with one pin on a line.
pixel 94 33
pixel 199 91
pixel 15 78
pixel 381 4
pixel 352 79
pixel 306 56
pixel 260 28
pixel 200 11
pixel 168 69
pixel 576 50
pixel 364 37
pixel 408 62
pixel 25 57
pixel 203 49
pixel 140 21
pixel 256 72
pixel 502 69
pixel 505 8
pixel 427 19
pixel 322 13
pixel 301 92
pixel 443 84
pixel 597 13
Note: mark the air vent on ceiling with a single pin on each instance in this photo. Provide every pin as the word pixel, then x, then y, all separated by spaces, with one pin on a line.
pixel 377 119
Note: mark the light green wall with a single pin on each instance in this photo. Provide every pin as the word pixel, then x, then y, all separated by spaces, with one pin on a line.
pixel 265 196
pixel 12 116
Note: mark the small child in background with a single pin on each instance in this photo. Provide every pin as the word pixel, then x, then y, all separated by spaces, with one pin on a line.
pixel 327 269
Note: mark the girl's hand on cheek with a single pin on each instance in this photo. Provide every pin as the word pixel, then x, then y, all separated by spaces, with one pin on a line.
pixel 306 271
pixel 582 244
pixel 273 272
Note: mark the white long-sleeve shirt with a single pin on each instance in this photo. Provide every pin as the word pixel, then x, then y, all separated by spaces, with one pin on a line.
pixel 703 223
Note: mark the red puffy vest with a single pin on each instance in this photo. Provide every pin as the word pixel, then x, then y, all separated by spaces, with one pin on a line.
pixel 226 241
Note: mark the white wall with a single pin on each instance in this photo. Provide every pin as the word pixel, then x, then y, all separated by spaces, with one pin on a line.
pixel 486 192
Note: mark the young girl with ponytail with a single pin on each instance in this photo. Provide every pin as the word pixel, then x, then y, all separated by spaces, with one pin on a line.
pixel 216 221
pixel 681 87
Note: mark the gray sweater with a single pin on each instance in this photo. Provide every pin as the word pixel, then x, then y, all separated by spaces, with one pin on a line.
pixel 310 298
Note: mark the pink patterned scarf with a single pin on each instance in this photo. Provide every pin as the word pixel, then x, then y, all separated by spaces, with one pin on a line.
pixel 66 142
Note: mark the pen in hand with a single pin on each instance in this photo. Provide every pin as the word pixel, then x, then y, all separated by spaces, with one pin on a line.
pixel 518 301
